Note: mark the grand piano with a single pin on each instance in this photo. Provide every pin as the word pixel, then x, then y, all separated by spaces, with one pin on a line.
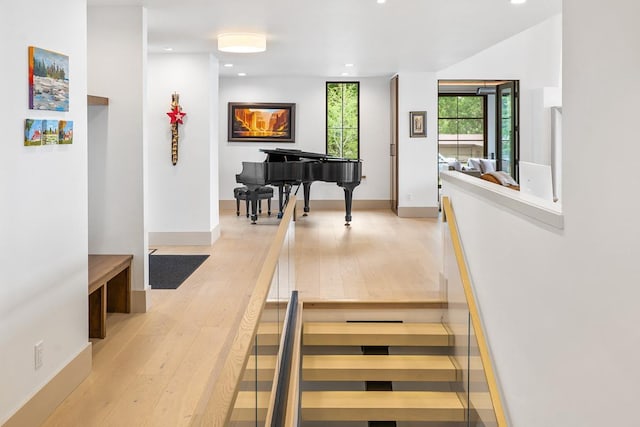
pixel 285 168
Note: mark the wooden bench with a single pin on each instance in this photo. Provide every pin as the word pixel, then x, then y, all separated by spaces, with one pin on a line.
pixel 109 290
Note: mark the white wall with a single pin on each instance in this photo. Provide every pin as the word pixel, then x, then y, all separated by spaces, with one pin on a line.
pixel 43 194
pixel 117 158
pixel 418 157
pixel 560 307
pixel 180 196
pixel 309 96
pixel 534 58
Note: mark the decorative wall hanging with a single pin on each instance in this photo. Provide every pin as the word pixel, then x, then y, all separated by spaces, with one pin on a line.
pixel 418 124
pixel 48 80
pixel 32 132
pixel 50 135
pixel 47 132
pixel 65 132
pixel 176 114
pixel 261 122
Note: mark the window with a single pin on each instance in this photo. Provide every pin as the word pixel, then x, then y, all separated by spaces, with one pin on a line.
pixel 461 126
pixel 343 119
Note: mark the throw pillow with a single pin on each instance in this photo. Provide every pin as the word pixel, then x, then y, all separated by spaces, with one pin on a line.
pixel 487 165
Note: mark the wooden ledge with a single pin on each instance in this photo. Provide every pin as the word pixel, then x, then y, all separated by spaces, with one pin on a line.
pixel 97 100
pixel 371 305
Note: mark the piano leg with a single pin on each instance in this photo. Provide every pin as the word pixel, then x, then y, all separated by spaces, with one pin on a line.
pixel 348 197
pixel 306 187
pixel 280 200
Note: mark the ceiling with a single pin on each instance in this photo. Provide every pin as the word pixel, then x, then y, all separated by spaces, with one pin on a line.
pixel 317 38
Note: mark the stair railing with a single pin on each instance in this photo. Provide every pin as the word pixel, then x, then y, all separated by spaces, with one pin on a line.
pixel 284 408
pixel 241 391
pixel 482 392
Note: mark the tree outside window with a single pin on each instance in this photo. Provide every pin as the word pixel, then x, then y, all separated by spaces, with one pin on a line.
pixel 461 126
pixel 343 121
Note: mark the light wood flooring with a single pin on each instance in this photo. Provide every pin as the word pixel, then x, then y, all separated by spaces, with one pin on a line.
pixel 152 368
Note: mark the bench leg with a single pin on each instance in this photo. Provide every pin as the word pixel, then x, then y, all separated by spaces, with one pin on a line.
pixel 269 206
pixel 237 206
pixel 98 313
pixel 119 293
pixel 259 207
pixel 247 207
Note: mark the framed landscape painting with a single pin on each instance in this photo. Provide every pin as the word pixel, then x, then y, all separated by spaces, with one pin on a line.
pixel 32 132
pixel 261 122
pixel 48 80
pixel 50 132
pixel 65 132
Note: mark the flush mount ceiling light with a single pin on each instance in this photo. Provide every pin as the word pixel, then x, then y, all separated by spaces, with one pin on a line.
pixel 518 1
pixel 242 42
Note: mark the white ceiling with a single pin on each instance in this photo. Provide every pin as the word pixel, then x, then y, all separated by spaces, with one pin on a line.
pixel 316 38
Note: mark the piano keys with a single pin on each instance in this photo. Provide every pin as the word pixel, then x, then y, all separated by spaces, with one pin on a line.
pixel 285 168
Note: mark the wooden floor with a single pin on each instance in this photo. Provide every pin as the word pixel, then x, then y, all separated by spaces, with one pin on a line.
pixel 152 368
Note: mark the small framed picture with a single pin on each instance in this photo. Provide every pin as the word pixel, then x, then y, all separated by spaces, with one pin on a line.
pixel 418 124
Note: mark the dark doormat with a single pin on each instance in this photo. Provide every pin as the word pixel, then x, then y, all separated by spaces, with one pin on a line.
pixel 169 271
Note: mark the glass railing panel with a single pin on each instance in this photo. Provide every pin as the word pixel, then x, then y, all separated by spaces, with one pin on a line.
pixel 248 388
pixel 481 410
pixel 257 384
pixel 473 382
pixel 245 408
pixel 456 317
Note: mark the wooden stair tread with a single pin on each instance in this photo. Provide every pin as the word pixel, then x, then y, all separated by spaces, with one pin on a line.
pixel 375 334
pixel 260 368
pixel 244 408
pixel 378 368
pixel 269 333
pixel 381 406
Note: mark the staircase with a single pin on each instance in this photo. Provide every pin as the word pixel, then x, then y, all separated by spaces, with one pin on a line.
pixel 252 402
pixel 403 372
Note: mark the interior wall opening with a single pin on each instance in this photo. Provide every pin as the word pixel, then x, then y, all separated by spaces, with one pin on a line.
pixel 478 126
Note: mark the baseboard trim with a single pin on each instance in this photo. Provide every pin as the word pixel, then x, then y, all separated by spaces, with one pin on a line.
pixel 230 205
pixel 187 238
pixel 46 400
pixel 418 212
pixel 140 301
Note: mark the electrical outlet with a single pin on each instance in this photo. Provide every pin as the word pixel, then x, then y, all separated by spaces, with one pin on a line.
pixel 38 354
pixel 409 196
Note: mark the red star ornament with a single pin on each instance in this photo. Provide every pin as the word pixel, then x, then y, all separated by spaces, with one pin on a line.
pixel 176 115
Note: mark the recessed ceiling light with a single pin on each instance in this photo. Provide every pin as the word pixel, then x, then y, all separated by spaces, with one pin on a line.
pixel 242 74
pixel 381 1
pixel 168 49
pixel 242 42
pixel 345 74
pixel 518 1
pixel 228 65
pixel 348 65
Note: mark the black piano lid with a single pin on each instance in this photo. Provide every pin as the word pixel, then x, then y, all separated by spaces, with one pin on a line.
pixel 305 154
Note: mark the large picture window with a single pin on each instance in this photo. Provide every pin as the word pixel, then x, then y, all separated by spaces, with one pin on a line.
pixel 343 121
pixel 461 126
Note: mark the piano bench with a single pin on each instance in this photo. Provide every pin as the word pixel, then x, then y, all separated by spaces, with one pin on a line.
pixel 264 193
